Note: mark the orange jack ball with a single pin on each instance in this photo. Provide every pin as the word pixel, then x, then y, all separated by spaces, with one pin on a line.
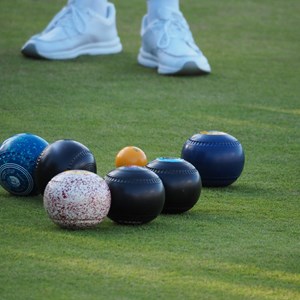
pixel 131 156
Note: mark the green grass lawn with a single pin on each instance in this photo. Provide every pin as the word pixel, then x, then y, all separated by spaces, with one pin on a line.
pixel 239 242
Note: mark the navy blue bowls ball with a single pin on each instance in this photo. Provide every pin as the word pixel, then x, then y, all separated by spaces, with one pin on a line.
pixel 137 195
pixel 18 156
pixel 218 156
pixel 181 181
pixel 60 156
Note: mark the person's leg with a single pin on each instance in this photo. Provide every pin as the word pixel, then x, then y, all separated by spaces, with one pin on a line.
pixel 99 6
pixel 82 27
pixel 167 42
pixel 155 7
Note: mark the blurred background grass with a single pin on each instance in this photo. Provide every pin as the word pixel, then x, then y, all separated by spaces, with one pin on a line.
pixel 239 242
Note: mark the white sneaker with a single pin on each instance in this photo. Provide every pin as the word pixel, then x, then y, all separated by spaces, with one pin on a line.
pixel 168 45
pixel 72 33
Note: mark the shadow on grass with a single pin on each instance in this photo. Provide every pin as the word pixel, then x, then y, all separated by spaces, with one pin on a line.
pixel 123 65
pixel 34 201
pixel 243 191
pixel 124 62
pixel 31 210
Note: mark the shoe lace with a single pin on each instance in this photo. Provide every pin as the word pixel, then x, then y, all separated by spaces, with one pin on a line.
pixel 175 27
pixel 68 17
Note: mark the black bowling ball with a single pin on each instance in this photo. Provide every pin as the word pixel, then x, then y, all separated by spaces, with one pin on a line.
pixel 182 183
pixel 137 195
pixel 60 156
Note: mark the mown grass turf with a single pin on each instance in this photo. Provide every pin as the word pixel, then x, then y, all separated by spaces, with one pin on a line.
pixel 239 242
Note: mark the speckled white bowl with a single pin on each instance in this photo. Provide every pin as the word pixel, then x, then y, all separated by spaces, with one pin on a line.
pixel 77 199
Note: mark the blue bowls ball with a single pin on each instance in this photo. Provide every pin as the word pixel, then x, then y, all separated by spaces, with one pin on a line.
pixel 218 156
pixel 18 156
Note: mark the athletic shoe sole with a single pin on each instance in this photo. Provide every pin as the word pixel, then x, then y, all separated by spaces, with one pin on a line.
pixel 185 67
pixel 115 46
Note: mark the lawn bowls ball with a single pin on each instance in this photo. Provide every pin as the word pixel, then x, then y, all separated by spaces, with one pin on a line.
pixel 77 199
pixel 131 155
pixel 218 156
pixel 181 181
pixel 62 155
pixel 18 156
pixel 137 195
